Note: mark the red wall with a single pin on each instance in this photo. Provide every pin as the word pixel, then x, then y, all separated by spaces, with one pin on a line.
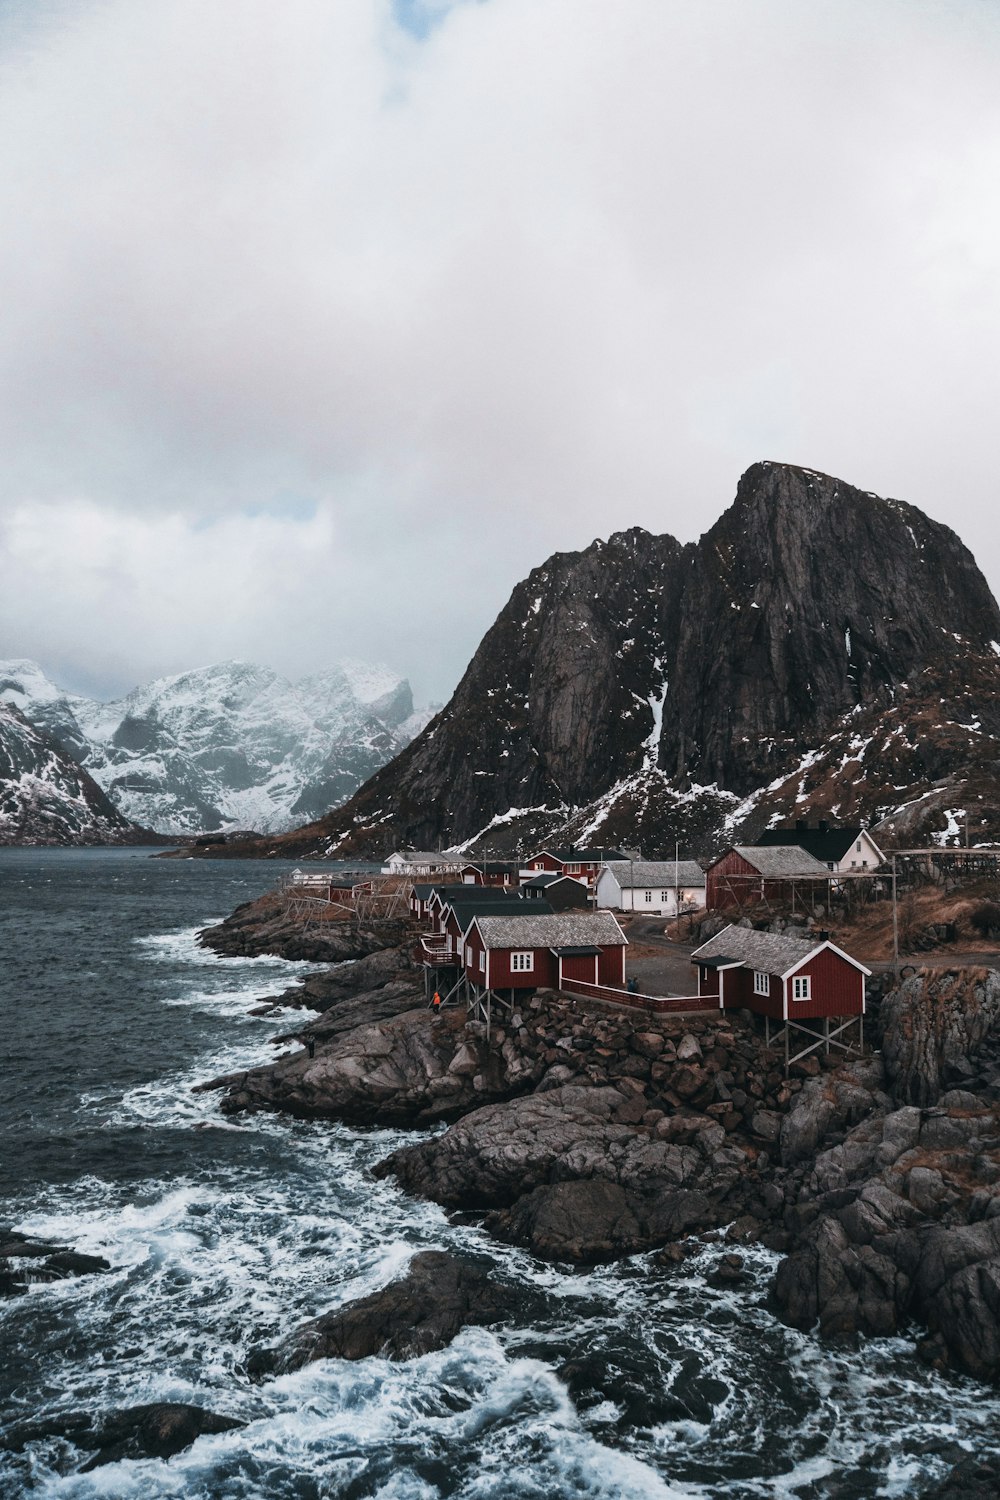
pixel 718 896
pixel 581 967
pixel 838 988
pixel 611 965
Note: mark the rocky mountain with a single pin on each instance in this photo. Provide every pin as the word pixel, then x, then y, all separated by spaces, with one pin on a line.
pixel 45 797
pixel 819 651
pixel 231 745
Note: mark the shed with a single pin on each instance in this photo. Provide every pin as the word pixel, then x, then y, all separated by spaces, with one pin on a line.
pixel 746 874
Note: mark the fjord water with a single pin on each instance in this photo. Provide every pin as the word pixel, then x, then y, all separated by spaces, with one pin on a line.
pixel 626 1381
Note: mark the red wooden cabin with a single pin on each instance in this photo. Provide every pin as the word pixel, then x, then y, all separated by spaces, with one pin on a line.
pixel 490 872
pixel 529 951
pixel 784 978
pixel 581 864
pixel 745 875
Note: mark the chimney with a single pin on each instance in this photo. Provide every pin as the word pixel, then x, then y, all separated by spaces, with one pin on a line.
pixel 801 825
pixel 824 826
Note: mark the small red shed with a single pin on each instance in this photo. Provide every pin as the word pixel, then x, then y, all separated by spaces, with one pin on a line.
pixel 746 874
pixel 538 952
pixel 783 978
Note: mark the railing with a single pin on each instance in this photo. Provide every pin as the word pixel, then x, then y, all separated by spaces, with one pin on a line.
pixel 654 1004
pixel 436 949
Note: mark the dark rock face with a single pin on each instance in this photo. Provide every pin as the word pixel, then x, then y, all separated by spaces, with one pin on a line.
pixel 930 1026
pixel 265 926
pixel 24 1260
pixel 814 628
pixel 422 1311
pixel 158 1430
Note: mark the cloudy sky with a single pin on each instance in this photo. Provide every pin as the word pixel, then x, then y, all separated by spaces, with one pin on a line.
pixel 324 321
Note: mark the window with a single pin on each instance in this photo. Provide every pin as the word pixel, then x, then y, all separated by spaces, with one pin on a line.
pixel 664 897
pixel 572 869
pixel 468 954
pixel 522 963
pixel 482 963
pixel 801 987
pixel 649 895
pixel 858 846
pixel 761 983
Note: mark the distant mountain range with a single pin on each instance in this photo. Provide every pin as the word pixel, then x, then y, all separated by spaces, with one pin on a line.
pixel 228 746
pixel 820 651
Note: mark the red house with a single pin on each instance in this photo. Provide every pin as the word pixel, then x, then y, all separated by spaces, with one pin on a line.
pixel 444 897
pixel 783 978
pixel 745 874
pixel 581 864
pixel 532 952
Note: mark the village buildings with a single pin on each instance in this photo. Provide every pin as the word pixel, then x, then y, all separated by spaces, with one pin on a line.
pixel 511 952
pixel 840 849
pixel 654 888
pixel 581 864
pixel 746 874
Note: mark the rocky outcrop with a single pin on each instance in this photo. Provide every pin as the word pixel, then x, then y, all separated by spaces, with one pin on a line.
pixel 25 1261
pixel 267 926
pixel 424 1310
pixel 156 1430
pixel 817 647
pixel 932 1025
pixel 572 1176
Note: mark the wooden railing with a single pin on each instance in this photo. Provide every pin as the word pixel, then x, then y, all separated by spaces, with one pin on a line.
pixel 658 1005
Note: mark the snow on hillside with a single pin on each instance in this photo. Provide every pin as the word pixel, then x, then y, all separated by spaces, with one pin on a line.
pixel 229 745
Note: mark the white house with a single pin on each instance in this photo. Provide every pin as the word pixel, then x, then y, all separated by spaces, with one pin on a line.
pixel 840 849
pixel 660 888
pixel 421 862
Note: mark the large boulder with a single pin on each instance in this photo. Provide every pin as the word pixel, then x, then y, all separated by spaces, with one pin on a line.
pixel 932 1026
pixel 422 1311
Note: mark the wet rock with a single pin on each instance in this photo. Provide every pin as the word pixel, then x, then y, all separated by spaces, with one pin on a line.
pixel 424 1310
pixel 24 1261
pixel 157 1430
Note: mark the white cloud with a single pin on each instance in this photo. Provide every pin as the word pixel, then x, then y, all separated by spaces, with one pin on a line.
pixel 562 266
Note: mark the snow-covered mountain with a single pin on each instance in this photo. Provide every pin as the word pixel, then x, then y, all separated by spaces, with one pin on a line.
pixel 45 797
pixel 233 745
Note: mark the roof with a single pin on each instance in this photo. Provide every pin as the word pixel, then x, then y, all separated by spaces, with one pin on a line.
pixel 454 894
pixel 563 929
pixel 491 866
pixel 785 860
pixel 632 873
pixel 579 856
pixel 581 951
pixel 466 911
pixel 422 891
pixel 826 844
pixel 550 877
pixel 767 952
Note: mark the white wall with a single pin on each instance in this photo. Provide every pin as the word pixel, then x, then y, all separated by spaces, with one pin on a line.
pixel 610 895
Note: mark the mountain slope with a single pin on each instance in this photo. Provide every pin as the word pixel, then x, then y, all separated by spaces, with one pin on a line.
pixel 45 798
pixel 228 745
pixel 819 650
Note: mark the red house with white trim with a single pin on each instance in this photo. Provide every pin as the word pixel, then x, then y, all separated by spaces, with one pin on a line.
pixel 532 952
pixel 581 864
pixel 784 978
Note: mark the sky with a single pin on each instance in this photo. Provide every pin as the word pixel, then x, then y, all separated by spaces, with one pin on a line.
pixel 324 321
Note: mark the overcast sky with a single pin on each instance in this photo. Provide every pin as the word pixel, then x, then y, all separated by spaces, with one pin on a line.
pixel 323 321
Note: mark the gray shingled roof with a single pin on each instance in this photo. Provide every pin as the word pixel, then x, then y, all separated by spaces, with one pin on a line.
pixel 783 860
pixel 568 929
pixel 630 874
pixel 768 952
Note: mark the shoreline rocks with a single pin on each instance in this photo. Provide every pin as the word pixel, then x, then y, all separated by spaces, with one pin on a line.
pixel 25 1261
pixel 423 1310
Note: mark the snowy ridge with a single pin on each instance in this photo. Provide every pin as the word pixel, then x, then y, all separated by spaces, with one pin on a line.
pixel 228 745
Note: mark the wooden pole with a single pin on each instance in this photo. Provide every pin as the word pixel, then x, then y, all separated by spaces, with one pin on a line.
pixel 895 924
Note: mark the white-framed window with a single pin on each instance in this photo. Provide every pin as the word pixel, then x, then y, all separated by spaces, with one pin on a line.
pixel 482 962
pixel 761 983
pixel 858 846
pixel 664 897
pixel 572 869
pixel 649 895
pixel 539 864
pixel 802 987
pixel 522 963
pixel 468 954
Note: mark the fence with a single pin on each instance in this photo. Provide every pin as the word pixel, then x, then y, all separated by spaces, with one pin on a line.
pixel 657 1005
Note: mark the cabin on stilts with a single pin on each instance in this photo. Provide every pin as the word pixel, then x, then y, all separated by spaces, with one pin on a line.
pixel 798 985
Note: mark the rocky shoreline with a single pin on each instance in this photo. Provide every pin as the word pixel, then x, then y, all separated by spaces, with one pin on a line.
pixel 586 1134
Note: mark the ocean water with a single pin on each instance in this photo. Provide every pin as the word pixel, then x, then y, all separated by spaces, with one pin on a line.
pixel 626 1381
